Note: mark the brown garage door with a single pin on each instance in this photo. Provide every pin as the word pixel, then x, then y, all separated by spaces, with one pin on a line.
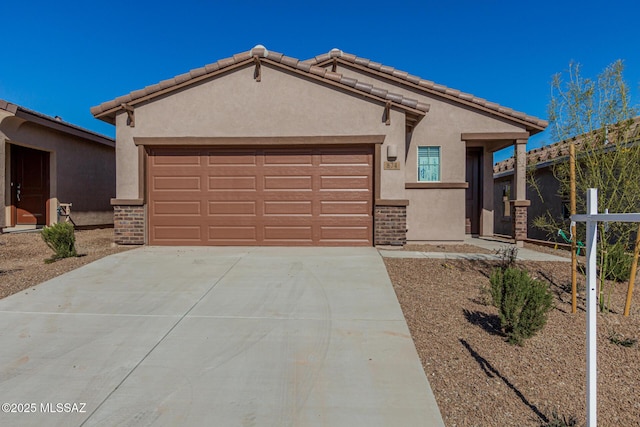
pixel 261 196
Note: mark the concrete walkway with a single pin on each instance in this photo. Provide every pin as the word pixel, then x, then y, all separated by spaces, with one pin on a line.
pixel 524 254
pixel 214 337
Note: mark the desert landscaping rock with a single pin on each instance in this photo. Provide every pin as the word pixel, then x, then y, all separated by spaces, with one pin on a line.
pixel 23 255
pixel 479 379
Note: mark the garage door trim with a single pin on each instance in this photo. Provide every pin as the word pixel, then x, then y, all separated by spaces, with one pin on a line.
pixel 260 141
pixel 354 224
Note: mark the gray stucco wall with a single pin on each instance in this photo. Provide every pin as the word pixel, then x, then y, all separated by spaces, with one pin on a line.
pixel 545 200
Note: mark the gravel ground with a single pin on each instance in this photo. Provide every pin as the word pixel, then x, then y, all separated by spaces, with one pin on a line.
pixel 22 257
pixel 448 248
pixel 478 379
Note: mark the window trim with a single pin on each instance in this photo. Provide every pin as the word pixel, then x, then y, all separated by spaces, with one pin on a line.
pixel 439 178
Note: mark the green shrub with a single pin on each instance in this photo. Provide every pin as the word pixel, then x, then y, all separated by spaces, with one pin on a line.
pixel 61 239
pixel 523 302
pixel 557 420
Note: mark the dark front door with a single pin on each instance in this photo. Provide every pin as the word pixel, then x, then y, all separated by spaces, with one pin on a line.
pixel 473 202
pixel 29 185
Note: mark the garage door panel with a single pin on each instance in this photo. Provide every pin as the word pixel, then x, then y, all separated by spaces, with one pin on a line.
pixel 338 233
pixel 341 158
pixel 176 208
pixel 176 158
pixel 348 195
pixel 233 183
pixel 175 233
pixel 344 183
pixel 232 158
pixel 289 171
pixel 285 157
pixel 226 207
pixel 288 183
pixel 288 208
pixel 171 183
pixel 233 234
pixel 351 207
pixel 288 233
pixel 262 196
pixel 340 170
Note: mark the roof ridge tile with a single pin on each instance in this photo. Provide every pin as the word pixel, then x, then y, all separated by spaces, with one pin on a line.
pixel 260 51
pixel 197 72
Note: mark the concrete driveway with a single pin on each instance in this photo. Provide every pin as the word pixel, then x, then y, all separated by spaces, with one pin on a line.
pixel 214 337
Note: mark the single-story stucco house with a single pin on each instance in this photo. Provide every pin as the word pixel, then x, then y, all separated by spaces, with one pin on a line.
pixel 264 149
pixel 45 162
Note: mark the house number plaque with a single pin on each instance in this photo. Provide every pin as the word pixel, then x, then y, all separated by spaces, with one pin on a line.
pixel 394 166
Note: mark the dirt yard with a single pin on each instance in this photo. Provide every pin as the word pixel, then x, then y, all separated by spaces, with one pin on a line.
pixel 478 379
pixel 22 257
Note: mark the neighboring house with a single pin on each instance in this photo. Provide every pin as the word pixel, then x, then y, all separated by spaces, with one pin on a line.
pixel 264 149
pixel 549 186
pixel 44 162
pixel 546 198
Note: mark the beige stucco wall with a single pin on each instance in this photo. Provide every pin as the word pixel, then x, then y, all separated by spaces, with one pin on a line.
pixel 287 104
pixel 235 105
pixel 81 172
pixel 443 126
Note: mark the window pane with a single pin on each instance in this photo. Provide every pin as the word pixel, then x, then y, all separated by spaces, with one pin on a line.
pixel 428 163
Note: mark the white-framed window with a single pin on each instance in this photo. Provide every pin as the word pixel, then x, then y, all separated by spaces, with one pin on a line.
pixel 428 164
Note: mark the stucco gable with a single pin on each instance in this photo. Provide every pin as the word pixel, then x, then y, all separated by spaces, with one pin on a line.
pixel 256 56
pixel 336 56
pixel 54 123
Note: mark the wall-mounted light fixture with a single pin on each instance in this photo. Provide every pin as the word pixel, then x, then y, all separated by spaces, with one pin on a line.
pixel 392 152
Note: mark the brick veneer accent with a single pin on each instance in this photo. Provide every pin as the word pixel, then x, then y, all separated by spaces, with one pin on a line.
pixel 390 225
pixel 519 224
pixel 128 224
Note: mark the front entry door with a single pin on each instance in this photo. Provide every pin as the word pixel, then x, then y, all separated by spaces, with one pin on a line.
pixel 29 185
pixel 473 201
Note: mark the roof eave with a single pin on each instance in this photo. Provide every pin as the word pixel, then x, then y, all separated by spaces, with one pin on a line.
pixel 53 123
pixel 108 115
pixel 531 127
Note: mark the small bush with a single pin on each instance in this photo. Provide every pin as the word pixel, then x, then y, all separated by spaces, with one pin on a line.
pixel 557 420
pixel 61 239
pixel 523 302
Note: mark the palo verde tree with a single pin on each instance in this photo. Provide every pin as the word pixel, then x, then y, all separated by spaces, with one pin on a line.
pixel 598 117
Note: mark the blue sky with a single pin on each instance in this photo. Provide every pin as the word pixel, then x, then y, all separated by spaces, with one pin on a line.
pixel 61 58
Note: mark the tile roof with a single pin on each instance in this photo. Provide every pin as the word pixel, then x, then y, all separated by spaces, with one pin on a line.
pixel 55 123
pixel 245 58
pixel 548 154
pixel 427 86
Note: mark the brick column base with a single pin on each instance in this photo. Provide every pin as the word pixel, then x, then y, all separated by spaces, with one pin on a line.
pixel 519 219
pixel 390 225
pixel 128 225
